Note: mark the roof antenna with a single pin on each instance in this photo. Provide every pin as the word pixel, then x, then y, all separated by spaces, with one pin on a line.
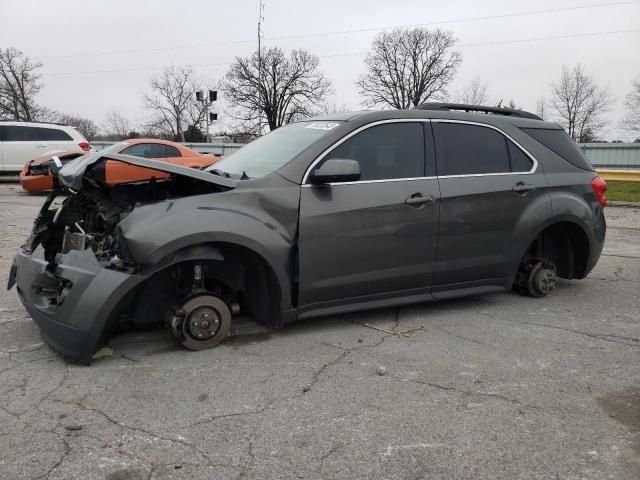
pixel 500 103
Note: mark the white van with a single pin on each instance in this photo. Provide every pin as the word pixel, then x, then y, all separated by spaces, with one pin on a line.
pixel 24 141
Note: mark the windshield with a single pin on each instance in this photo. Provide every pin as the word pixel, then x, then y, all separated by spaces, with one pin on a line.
pixel 267 154
pixel 115 148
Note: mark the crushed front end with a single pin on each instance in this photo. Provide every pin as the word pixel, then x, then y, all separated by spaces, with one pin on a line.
pixel 74 274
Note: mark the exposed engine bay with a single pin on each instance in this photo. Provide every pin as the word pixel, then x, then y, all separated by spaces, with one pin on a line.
pixel 89 218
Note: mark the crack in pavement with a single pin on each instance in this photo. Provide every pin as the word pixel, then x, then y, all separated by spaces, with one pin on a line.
pixel 459 336
pixel 336 447
pixel 601 336
pixel 450 388
pixel 619 256
pixel 315 376
pixel 147 432
pixel 67 451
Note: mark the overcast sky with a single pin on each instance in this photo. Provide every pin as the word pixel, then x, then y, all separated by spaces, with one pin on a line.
pixel 76 41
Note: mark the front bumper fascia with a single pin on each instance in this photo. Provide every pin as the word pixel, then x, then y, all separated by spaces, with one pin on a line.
pixel 87 300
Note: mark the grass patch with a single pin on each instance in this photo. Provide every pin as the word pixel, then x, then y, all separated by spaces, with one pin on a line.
pixel 623 191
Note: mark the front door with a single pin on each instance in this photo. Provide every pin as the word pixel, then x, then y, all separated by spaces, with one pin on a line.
pixel 364 240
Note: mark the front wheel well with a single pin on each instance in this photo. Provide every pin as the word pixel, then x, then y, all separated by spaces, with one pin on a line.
pixel 235 272
pixel 566 245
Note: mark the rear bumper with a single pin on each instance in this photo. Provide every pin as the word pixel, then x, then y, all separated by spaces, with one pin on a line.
pixel 74 307
pixel 597 237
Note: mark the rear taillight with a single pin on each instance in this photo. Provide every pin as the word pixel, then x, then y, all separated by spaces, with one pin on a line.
pixel 599 186
pixel 85 146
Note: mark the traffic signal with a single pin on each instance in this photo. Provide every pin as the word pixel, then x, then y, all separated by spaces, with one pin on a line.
pixel 213 95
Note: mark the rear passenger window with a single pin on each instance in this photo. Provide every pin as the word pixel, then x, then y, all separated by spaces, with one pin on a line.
pixel 14 133
pixel 519 160
pixel 463 149
pixel 392 150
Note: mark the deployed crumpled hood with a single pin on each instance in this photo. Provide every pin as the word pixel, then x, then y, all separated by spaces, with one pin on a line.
pixel 61 154
pixel 71 174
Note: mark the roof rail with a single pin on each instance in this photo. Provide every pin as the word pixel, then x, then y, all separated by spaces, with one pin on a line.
pixel 476 108
pixel 6 120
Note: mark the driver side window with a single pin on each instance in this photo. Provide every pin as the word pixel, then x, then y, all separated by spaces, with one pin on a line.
pixel 387 151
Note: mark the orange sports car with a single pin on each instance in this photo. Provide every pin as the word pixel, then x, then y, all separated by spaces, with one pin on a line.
pixel 37 175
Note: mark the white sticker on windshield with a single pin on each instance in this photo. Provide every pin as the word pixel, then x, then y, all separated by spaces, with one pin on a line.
pixel 57 161
pixel 323 125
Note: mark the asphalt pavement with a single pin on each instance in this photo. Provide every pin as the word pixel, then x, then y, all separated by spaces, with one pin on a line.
pixel 496 386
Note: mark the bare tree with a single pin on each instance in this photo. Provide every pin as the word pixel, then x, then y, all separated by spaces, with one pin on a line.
pixel 631 120
pixel 171 100
pixel 408 67
pixel 19 84
pixel 474 93
pixel 541 108
pixel 579 103
pixel 86 127
pixel 331 108
pixel 274 87
pixel 116 124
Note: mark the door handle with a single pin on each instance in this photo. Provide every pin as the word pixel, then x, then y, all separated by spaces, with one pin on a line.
pixel 418 199
pixel 523 188
pixel 40 145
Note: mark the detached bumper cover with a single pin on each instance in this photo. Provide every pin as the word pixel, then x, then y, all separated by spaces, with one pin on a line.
pixel 74 307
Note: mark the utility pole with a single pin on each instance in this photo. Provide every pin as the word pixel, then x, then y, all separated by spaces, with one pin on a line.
pixel 260 20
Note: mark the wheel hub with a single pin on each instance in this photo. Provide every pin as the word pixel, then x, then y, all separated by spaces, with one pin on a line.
pixel 546 280
pixel 203 322
pixel 542 279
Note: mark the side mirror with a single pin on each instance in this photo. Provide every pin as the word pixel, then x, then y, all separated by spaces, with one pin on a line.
pixel 336 170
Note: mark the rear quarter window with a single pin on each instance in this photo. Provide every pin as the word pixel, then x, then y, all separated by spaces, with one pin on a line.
pixel 56 135
pixel 561 144
pixel 170 151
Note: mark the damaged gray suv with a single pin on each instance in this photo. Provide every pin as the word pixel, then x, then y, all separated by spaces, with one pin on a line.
pixel 320 217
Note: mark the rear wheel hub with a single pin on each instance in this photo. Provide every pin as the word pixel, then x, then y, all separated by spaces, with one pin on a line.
pixel 542 279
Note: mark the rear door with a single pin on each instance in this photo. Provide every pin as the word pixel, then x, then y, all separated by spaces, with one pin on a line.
pixel 487 181
pixel 373 238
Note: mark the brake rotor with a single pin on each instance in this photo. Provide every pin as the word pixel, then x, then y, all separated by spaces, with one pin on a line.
pixel 542 279
pixel 206 323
